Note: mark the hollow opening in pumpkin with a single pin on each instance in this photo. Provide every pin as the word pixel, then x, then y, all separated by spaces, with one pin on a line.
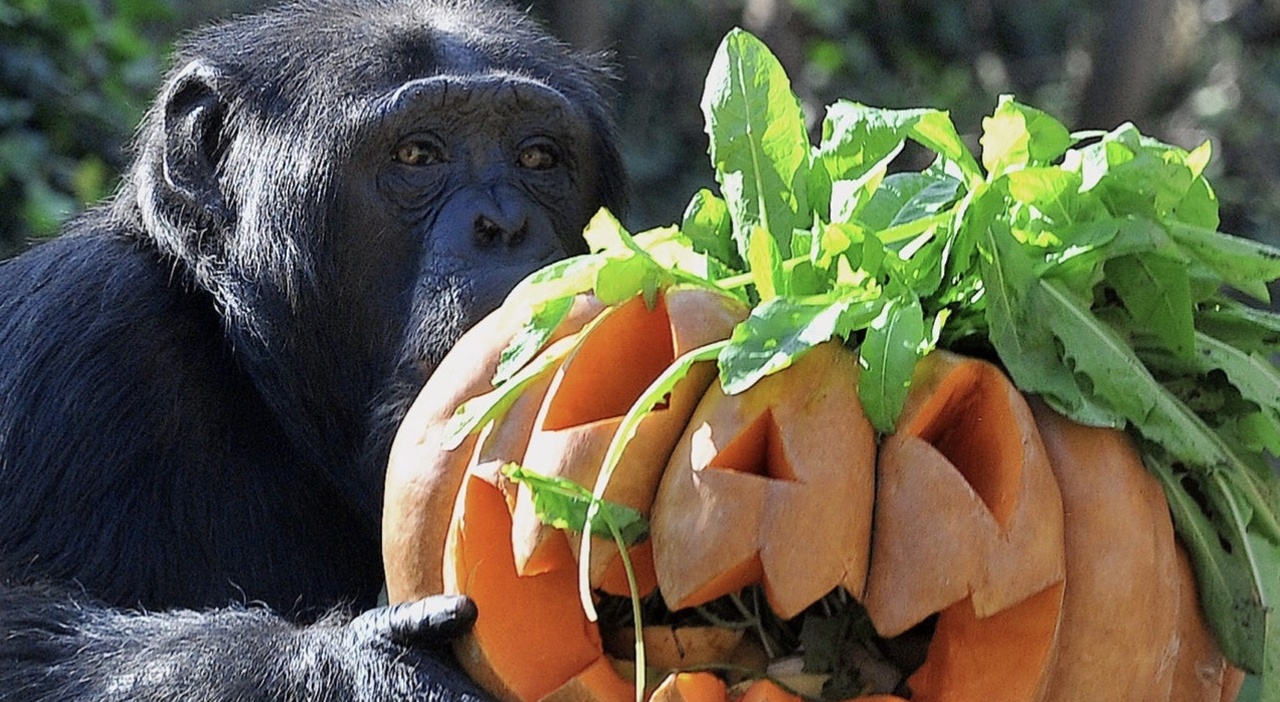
pixel 850 659
pixel 968 421
pixel 627 350
pixel 555 640
pixel 1004 653
pixel 756 451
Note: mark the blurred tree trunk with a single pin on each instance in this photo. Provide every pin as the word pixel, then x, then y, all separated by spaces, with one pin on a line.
pixel 1129 62
pixel 581 23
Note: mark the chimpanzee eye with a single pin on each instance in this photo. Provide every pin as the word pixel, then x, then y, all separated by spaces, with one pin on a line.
pixel 537 157
pixel 418 153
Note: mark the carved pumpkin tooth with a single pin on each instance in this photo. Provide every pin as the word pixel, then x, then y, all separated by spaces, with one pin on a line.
pixel 756 475
pixel 968 526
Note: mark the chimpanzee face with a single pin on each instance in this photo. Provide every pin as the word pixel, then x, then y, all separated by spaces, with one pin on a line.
pixel 352 212
pixel 495 161
pixel 459 187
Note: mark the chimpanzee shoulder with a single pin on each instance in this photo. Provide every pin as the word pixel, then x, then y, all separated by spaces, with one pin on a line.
pixel 129 390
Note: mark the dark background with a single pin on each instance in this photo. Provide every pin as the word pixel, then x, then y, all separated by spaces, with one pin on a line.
pixel 75 75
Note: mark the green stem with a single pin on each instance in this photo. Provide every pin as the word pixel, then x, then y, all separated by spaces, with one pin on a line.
pixel 634 588
pixel 621 437
pixel 907 230
pixel 753 616
pixel 742 280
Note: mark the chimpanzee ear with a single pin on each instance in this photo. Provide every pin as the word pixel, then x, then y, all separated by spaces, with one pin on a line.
pixel 194 141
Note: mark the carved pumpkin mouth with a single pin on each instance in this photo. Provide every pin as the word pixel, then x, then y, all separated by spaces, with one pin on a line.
pixel 741 639
pixel 969 546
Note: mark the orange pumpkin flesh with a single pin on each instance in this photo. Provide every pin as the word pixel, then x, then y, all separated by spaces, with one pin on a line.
pixel 690 687
pixel 756 476
pixel 599 682
pixel 554 644
pixel 968 525
pixel 776 486
pixel 622 353
pixel 1001 656
pixel 422 480
pixel 766 690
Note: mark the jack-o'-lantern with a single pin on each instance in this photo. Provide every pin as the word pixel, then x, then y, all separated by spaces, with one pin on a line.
pixel 1037 554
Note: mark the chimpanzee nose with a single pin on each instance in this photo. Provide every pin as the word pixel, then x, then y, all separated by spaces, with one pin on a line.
pixel 492 229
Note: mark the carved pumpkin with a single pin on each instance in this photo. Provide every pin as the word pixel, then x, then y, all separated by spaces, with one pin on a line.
pixel 1040 551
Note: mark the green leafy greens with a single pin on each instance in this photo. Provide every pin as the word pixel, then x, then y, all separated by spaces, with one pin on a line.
pixel 1090 264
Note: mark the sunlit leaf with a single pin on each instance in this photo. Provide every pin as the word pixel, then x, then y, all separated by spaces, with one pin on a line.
pixel 759 145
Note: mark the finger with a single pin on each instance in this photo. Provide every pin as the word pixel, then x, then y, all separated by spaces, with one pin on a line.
pixel 430 621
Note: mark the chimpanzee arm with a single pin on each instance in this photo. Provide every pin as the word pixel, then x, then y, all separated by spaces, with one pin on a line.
pixel 60 648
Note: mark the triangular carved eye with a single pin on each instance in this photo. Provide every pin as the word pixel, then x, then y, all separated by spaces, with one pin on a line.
pixel 626 351
pixel 757 450
pixel 615 361
pixel 970 422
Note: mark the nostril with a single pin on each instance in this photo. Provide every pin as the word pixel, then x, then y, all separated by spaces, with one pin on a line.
pixel 515 236
pixel 489 232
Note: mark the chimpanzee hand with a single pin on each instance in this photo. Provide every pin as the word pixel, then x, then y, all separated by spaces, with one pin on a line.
pixel 402 651
pixel 427 623
pixel 65 651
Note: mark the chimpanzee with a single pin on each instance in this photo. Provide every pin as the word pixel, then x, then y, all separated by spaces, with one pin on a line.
pixel 200 380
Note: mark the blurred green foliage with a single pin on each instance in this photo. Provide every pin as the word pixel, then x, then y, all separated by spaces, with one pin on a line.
pixel 1182 70
pixel 1237 101
pixel 75 76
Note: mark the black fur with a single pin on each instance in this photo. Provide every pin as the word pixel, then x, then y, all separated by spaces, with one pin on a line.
pixel 73 651
pixel 200 380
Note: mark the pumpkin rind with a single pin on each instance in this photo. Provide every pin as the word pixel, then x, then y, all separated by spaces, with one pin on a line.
pixel 422 480
pixel 1116 639
pixel 756 476
pixel 1200 673
pixel 616 359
